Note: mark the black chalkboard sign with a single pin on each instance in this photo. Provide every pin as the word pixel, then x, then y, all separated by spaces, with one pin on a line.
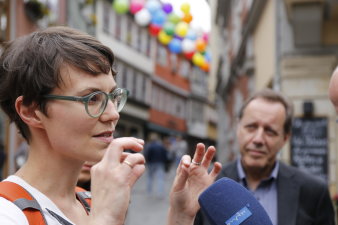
pixel 309 145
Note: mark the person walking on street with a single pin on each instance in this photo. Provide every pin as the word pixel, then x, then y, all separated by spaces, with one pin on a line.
pixel 156 156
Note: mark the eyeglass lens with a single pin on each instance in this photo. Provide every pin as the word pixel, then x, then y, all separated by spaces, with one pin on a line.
pixel 98 101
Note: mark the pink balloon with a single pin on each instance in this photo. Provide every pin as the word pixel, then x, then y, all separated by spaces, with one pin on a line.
pixel 135 6
pixel 205 37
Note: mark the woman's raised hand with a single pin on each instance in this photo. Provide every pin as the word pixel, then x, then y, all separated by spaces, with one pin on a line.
pixel 192 178
pixel 112 180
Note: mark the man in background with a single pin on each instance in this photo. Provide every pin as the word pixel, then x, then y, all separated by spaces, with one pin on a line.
pixel 156 157
pixel 289 196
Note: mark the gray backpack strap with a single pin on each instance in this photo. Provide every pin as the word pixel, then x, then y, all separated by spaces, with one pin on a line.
pixel 82 196
pixel 59 218
pixel 23 203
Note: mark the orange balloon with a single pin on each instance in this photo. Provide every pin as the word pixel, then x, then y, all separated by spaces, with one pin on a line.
pixel 187 18
pixel 205 66
pixel 200 45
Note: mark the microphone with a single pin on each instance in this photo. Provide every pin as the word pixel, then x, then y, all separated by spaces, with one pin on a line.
pixel 226 202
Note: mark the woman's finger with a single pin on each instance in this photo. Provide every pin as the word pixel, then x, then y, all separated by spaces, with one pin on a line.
pixel 133 159
pixel 199 154
pixel 115 149
pixel 208 156
pixel 182 173
pixel 216 170
pixel 138 170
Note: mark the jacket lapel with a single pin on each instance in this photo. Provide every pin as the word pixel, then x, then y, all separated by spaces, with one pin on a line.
pixel 288 195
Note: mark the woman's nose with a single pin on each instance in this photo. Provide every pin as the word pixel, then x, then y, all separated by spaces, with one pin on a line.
pixel 110 113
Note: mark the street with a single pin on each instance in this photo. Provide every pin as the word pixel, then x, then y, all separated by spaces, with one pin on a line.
pixel 149 210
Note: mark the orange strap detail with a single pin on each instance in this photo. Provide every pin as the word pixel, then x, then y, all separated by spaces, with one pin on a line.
pixel 12 191
pixel 80 189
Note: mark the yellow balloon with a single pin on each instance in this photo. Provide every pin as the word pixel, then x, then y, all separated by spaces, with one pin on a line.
pixel 198 59
pixel 185 8
pixel 164 38
pixel 181 29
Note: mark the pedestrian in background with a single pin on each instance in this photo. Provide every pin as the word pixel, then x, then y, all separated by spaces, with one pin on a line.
pixel 156 156
pixel 289 196
pixel 180 147
pixel 58 86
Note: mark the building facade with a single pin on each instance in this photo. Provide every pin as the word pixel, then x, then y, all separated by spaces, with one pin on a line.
pixel 290 46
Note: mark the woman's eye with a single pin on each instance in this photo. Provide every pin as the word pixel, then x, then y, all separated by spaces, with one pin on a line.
pixel 96 98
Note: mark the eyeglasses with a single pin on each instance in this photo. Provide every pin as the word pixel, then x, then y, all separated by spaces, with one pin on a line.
pixel 96 102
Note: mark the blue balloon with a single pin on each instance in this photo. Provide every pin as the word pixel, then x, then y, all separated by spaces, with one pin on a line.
pixel 175 46
pixel 153 6
pixel 207 56
pixel 191 35
pixel 159 18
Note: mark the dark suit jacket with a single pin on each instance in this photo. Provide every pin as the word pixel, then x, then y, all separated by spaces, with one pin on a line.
pixel 302 199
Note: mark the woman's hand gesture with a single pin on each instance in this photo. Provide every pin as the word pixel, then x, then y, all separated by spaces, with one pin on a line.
pixel 192 178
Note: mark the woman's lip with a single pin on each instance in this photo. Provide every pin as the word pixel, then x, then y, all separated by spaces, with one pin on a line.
pixel 105 139
pixel 86 166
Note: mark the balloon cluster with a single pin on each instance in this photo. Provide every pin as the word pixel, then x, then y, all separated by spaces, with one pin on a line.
pixel 171 29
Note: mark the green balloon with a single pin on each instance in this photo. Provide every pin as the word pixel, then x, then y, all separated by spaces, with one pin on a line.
pixel 121 6
pixel 169 28
pixel 174 18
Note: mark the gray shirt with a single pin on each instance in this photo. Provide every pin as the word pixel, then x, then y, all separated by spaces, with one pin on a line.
pixel 266 192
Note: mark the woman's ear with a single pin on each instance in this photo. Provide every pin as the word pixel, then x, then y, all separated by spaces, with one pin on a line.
pixel 28 113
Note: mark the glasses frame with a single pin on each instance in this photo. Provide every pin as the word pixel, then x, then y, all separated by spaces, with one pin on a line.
pixel 112 96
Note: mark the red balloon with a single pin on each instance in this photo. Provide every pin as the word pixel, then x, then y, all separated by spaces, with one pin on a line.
pixel 154 29
pixel 189 55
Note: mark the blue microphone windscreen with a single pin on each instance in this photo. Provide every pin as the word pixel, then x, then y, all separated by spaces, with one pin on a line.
pixel 226 202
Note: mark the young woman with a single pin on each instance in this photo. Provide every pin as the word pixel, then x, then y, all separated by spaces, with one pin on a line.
pixel 58 86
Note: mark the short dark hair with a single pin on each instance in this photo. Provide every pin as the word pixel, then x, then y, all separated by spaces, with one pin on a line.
pixel 30 66
pixel 272 96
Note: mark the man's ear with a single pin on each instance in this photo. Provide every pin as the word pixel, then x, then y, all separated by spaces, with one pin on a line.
pixel 28 113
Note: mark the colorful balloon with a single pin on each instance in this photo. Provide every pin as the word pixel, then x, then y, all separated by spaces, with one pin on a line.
pixel 167 8
pixel 205 66
pixel 205 37
pixel 169 28
pixel 158 18
pixel 164 38
pixel 187 18
pixel 181 29
pixel 200 45
pixel 191 34
pixel 198 59
pixel 121 6
pixel 143 17
pixel 207 56
pixel 185 8
pixel 188 45
pixel 175 46
pixel 153 6
pixel 174 18
pixel 189 55
pixel 154 29
pixel 135 6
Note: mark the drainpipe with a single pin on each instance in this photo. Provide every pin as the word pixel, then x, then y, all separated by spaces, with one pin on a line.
pixel 12 133
pixel 278 40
